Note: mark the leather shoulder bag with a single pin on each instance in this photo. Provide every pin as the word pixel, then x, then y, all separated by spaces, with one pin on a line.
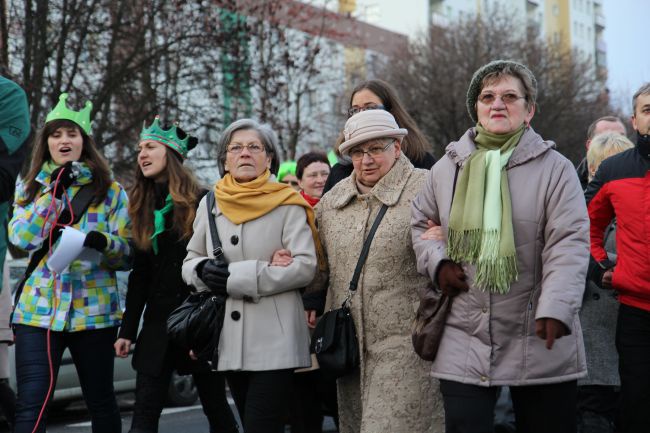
pixel 196 324
pixel 334 340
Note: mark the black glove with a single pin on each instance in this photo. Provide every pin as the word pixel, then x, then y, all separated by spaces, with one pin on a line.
pixel 96 240
pixel 452 279
pixel 214 273
pixel 66 179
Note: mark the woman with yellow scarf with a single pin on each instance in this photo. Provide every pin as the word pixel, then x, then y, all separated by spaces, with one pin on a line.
pixel 264 336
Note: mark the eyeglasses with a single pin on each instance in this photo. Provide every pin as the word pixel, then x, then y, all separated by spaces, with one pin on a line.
pixel 507 98
pixel 252 148
pixel 357 154
pixel 354 110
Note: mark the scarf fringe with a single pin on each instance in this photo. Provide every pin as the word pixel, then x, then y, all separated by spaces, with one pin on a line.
pixel 496 274
pixel 464 245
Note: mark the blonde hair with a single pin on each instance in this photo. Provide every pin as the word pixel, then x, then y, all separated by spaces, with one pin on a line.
pixel 603 146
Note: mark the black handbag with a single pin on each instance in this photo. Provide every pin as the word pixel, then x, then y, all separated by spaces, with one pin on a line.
pixel 334 340
pixel 196 324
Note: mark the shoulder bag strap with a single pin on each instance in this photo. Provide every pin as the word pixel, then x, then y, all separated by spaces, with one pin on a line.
pixel 453 191
pixel 366 247
pixel 80 203
pixel 216 242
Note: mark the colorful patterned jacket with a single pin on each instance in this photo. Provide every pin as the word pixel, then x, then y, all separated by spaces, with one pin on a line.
pixel 86 292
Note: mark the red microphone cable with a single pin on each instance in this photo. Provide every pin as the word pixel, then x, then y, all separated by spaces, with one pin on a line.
pixel 55 299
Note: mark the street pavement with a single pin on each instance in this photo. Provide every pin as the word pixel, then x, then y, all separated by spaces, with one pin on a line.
pixel 190 419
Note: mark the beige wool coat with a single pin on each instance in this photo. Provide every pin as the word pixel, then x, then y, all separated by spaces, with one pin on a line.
pixel 264 327
pixel 393 391
pixel 489 339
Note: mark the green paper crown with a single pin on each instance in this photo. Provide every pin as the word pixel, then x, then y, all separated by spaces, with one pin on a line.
pixel 81 118
pixel 168 137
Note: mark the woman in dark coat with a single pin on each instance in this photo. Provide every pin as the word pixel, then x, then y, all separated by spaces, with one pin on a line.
pixel 379 95
pixel 162 208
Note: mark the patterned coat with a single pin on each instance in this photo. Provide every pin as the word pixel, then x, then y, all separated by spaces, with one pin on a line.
pixel 86 292
pixel 393 391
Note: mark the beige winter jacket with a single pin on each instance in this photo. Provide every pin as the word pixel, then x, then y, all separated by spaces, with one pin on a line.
pixel 394 391
pixel 265 326
pixel 489 339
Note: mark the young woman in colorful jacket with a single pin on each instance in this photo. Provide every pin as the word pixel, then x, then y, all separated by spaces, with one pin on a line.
pixel 79 307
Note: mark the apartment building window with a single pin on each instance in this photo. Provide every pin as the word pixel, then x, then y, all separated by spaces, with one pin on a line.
pixel 556 10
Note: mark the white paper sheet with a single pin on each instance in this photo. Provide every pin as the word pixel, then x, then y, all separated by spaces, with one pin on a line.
pixel 70 247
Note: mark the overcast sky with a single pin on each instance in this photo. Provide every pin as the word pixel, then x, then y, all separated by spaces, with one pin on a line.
pixel 626 35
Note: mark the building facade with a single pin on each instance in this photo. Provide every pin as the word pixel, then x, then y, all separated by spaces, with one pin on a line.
pixel 577 25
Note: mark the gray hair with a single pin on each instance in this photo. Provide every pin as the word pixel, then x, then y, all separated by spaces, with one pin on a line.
pixel 264 132
pixel 643 90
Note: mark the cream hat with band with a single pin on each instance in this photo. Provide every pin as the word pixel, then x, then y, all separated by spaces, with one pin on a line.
pixel 368 125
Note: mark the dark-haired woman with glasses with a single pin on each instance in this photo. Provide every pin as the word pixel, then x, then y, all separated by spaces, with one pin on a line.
pixel 379 95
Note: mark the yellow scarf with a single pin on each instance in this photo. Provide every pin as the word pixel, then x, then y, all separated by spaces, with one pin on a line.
pixel 242 202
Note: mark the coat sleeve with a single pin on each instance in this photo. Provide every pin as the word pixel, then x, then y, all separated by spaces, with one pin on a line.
pixel 565 255
pixel 255 278
pixel 601 213
pixel 29 227
pixel 117 254
pixel 136 296
pixel 429 254
pixel 316 292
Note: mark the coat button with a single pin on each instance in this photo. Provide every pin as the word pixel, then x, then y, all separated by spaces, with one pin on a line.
pixel 234 239
pixel 595 296
pixel 484 309
pixel 235 315
pixel 484 378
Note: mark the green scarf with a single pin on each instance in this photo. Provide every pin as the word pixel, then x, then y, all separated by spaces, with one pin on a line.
pixel 159 221
pixel 480 222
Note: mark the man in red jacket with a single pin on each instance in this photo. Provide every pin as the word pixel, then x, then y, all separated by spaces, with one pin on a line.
pixel 621 189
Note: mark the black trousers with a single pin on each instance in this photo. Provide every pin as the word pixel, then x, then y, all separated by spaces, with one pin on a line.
pixel 633 345
pixel 92 353
pixel 263 398
pixel 151 392
pixel 538 409
pixel 597 408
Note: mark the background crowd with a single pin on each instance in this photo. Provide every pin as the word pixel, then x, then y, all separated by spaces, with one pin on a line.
pixel 549 294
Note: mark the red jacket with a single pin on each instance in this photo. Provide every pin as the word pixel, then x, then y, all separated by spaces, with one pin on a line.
pixel 621 189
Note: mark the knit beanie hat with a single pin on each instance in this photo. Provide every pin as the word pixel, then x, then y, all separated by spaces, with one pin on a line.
pixel 494 66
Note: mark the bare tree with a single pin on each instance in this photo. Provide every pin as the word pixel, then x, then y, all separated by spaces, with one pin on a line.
pixel 201 62
pixel 434 75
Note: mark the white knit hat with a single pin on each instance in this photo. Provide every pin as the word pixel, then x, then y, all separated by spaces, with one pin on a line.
pixel 368 125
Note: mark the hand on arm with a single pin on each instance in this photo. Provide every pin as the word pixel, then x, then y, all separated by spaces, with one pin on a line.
pixel 434 232
pixel 281 257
